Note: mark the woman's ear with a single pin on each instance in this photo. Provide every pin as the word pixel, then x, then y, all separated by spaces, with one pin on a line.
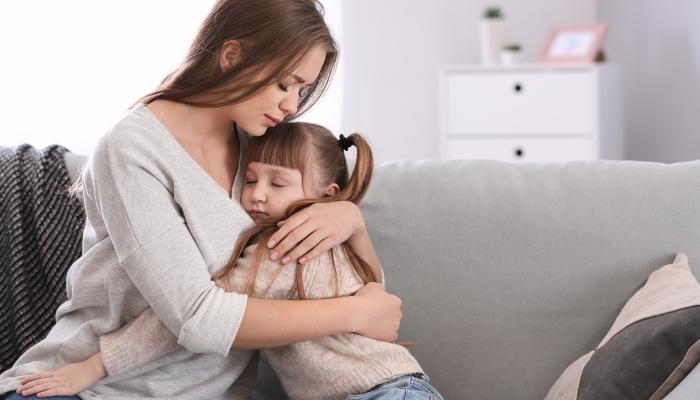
pixel 230 54
pixel 331 190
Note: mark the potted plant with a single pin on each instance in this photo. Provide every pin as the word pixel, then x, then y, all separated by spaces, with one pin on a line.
pixel 511 54
pixel 492 32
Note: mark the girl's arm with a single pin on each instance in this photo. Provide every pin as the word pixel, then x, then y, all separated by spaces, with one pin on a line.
pixel 363 248
pixel 319 227
pixel 142 340
pixel 66 381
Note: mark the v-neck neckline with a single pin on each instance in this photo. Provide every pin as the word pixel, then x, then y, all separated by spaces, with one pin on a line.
pixel 237 187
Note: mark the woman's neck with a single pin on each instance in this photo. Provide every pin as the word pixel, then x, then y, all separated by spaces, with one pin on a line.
pixel 206 134
pixel 194 125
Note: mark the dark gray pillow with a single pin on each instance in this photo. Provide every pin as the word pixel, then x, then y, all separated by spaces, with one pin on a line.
pixel 652 345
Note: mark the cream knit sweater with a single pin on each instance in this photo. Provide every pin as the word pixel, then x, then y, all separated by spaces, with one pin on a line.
pixel 333 367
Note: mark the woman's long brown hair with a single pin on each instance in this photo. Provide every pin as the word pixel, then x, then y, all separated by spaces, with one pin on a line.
pixel 274 36
pixel 317 154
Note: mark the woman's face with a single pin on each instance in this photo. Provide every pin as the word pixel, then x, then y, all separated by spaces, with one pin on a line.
pixel 269 107
pixel 270 189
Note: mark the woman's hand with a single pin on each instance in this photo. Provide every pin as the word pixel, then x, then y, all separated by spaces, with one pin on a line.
pixel 66 381
pixel 380 313
pixel 315 230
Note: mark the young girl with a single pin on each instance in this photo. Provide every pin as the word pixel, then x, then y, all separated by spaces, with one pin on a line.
pixel 293 166
pixel 161 195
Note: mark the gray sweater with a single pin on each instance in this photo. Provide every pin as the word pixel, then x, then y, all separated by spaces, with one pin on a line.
pixel 158 226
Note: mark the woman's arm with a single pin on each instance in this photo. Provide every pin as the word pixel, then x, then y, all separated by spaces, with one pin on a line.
pixel 371 312
pixel 319 227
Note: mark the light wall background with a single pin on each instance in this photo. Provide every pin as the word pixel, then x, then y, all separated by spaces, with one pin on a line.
pixel 393 50
pixel 69 69
pixel 658 45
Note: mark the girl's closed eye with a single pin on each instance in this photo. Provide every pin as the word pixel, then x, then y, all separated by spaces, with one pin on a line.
pixel 277 185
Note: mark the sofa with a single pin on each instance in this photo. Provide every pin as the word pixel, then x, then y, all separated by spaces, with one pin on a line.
pixel 506 271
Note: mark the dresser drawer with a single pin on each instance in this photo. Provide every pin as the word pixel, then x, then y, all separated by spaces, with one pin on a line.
pixel 520 102
pixel 525 150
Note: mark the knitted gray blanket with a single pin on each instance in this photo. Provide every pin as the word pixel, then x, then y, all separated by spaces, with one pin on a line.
pixel 41 229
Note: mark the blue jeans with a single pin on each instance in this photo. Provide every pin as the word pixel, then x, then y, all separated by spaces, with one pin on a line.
pixel 15 396
pixel 407 387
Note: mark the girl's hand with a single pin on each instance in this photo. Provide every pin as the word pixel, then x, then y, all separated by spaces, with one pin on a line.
pixel 66 381
pixel 380 313
pixel 315 230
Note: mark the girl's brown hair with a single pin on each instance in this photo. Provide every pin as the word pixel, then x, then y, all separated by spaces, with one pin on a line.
pixel 274 36
pixel 318 155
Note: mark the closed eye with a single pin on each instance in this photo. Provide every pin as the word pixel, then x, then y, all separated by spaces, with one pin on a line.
pixel 283 88
pixel 277 185
pixel 250 182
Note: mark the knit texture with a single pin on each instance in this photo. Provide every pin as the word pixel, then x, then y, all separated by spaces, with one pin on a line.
pixel 41 228
pixel 119 356
pixel 157 227
pixel 332 367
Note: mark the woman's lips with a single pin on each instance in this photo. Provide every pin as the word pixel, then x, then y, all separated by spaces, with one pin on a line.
pixel 271 122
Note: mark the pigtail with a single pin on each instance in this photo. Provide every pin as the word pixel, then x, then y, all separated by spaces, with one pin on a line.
pixel 361 177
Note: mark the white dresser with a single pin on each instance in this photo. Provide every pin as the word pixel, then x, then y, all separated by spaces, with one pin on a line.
pixel 531 113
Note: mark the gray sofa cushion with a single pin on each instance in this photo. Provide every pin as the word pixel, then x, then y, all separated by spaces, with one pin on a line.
pixel 506 271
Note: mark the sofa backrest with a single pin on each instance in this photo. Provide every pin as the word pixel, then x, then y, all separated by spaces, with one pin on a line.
pixel 506 271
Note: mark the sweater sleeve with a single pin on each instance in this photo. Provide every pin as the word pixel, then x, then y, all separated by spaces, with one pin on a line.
pixel 144 339
pixel 131 184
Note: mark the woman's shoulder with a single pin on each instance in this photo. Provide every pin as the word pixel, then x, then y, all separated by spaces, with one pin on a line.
pixel 137 133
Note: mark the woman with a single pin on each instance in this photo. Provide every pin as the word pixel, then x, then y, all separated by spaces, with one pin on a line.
pixel 161 196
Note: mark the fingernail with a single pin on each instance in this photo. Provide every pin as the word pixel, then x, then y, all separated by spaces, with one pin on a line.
pixel 302 260
pixel 274 256
pixel 270 243
pixel 285 260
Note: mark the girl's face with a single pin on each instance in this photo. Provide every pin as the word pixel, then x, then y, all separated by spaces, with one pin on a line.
pixel 270 189
pixel 269 107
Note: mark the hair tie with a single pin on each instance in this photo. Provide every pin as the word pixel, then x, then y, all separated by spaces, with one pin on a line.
pixel 344 143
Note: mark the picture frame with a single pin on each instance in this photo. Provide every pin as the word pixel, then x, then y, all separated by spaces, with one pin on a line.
pixel 572 44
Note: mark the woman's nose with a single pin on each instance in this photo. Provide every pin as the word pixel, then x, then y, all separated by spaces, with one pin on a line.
pixel 290 103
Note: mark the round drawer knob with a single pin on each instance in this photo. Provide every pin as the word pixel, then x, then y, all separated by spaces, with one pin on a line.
pixel 518 88
pixel 519 152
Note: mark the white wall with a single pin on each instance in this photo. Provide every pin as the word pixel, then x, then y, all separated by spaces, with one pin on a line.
pixel 658 45
pixel 392 51
pixel 329 111
pixel 70 68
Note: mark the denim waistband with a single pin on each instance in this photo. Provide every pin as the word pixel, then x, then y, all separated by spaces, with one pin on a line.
pixel 417 375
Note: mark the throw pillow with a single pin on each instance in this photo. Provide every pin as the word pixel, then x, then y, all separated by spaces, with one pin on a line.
pixel 653 344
